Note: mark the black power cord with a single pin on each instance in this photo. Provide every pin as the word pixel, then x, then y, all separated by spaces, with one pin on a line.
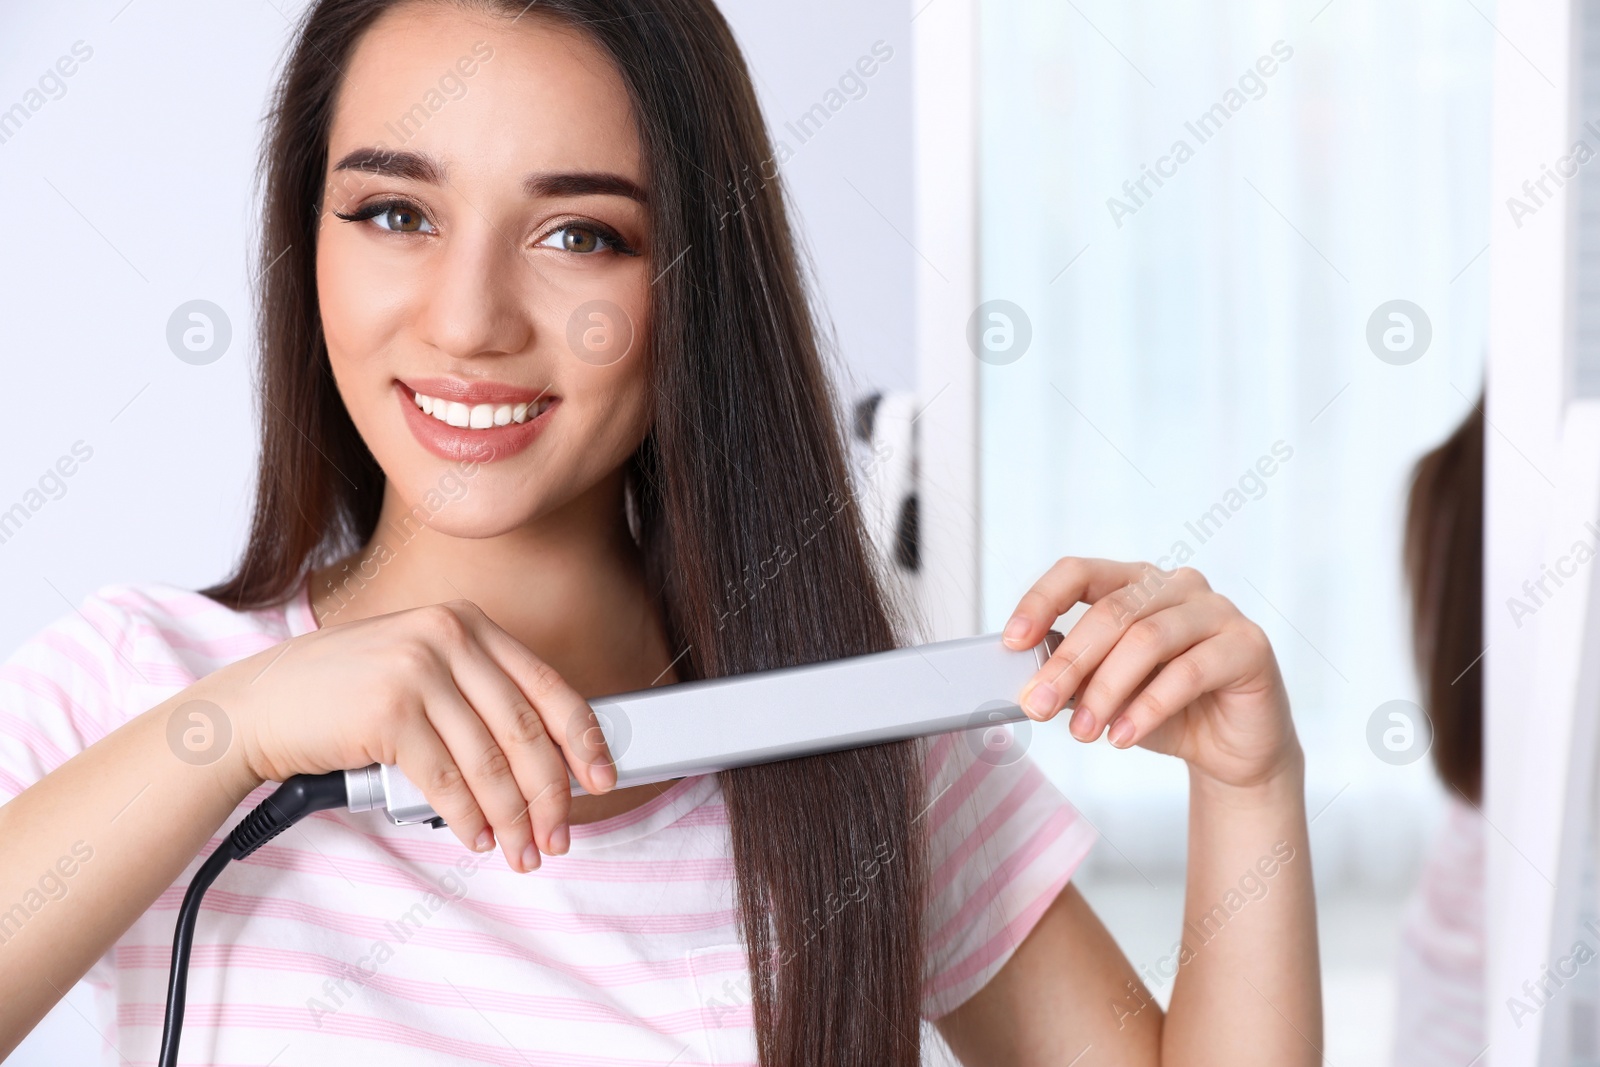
pixel 289 803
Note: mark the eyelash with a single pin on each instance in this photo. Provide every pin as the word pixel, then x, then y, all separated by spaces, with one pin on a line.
pixel 613 240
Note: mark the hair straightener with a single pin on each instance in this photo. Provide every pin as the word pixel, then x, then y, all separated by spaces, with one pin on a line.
pixel 691 728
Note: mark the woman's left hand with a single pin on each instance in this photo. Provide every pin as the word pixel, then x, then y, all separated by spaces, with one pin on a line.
pixel 1165 662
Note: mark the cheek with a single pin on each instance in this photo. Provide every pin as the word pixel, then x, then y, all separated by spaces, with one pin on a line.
pixel 609 398
pixel 338 301
pixel 614 407
pixel 359 322
pixel 359 317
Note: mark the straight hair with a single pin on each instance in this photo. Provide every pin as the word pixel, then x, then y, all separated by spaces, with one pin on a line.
pixel 744 465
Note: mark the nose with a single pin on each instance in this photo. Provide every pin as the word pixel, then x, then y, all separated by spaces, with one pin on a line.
pixel 476 302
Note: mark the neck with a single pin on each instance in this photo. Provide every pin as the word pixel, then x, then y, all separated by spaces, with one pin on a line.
pixel 569 585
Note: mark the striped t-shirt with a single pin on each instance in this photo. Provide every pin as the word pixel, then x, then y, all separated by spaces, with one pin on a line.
pixel 351 940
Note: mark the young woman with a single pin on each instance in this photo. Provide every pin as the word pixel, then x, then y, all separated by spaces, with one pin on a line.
pixel 544 417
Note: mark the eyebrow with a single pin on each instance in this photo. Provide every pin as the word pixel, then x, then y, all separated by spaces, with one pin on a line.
pixel 421 167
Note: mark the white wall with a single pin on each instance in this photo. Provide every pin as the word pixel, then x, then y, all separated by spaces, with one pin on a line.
pixel 130 192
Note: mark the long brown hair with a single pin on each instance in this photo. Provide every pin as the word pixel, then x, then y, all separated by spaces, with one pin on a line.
pixel 742 471
pixel 1443 557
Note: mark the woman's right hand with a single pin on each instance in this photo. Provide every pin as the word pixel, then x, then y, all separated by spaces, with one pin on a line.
pixel 483 727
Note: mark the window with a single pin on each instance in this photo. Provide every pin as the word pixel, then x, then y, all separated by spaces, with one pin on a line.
pixel 1245 244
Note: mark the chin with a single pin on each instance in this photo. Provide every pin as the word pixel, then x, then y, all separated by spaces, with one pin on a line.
pixel 463 500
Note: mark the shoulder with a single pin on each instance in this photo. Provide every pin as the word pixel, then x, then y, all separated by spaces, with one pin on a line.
pixel 1002 842
pixel 127 647
pixel 130 618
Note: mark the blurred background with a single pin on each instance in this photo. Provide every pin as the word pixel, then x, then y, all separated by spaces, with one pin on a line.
pixel 1213 315
pixel 1104 339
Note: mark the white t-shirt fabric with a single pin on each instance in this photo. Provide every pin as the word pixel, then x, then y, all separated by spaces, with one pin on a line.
pixel 350 940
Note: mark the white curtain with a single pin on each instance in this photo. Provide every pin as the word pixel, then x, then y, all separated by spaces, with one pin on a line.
pixel 1199 346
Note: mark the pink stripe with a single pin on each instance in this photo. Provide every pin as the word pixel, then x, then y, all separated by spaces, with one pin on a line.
pixel 225 648
pixel 137 601
pixel 958 793
pixel 379 1032
pixel 446 851
pixel 71 649
pixel 1012 934
pixel 366 974
pixel 38 743
pixel 110 627
pixel 706 815
pixel 11 785
pixel 146 601
pixel 158 957
pixel 575 868
pixel 115 629
pixel 938 755
pixel 643 811
pixel 84 723
pixel 164 675
pixel 1005 874
pixel 1024 788
pixel 456 940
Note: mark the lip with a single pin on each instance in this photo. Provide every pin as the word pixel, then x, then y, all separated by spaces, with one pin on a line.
pixel 469 393
pixel 464 445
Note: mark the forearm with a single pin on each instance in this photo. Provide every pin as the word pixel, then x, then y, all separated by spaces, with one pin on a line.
pixel 86 850
pixel 1248 989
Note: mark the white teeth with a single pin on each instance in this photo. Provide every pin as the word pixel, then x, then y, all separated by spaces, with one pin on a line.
pixel 478 416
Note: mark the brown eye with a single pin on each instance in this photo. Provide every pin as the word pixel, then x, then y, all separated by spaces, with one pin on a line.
pixel 587 240
pixel 584 240
pixel 402 219
pixel 397 216
pixel 578 239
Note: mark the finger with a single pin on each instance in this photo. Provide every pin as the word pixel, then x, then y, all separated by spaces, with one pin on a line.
pixel 485 766
pixel 537 768
pixel 1136 653
pixel 1142 590
pixel 1208 666
pixel 425 760
pixel 454 665
pixel 1070 580
pixel 569 722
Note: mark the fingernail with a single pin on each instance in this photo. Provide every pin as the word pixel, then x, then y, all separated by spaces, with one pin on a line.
pixel 559 839
pixel 1121 732
pixel 530 857
pixel 1082 724
pixel 1016 628
pixel 605 774
pixel 1043 699
pixel 485 839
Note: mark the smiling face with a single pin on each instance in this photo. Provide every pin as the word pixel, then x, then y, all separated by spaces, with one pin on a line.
pixel 482 256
